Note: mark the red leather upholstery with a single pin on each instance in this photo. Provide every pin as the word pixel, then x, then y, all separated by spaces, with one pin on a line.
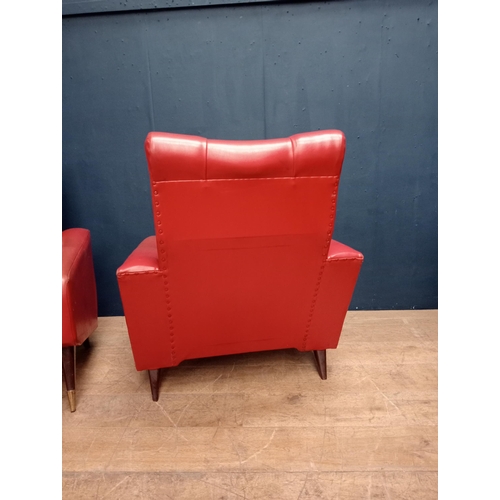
pixel 79 297
pixel 242 259
pixel 79 301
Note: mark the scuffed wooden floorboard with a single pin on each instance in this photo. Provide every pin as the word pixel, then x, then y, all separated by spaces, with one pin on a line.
pixel 260 425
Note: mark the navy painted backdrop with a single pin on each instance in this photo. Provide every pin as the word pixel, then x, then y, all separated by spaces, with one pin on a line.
pixel 253 71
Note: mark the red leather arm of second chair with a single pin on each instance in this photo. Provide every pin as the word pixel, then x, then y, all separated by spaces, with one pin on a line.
pixel 141 285
pixel 79 297
pixel 334 296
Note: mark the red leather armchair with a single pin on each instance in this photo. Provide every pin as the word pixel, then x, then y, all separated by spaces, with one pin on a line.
pixel 242 259
pixel 79 301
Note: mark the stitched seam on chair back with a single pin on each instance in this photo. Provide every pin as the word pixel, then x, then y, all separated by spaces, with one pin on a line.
pixel 323 264
pixel 163 258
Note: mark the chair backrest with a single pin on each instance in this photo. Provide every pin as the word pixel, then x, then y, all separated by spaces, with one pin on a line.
pixel 243 229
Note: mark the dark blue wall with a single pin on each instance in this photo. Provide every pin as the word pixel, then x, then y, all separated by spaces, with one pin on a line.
pixel 253 71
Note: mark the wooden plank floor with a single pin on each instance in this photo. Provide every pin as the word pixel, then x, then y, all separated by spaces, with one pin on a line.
pixel 261 425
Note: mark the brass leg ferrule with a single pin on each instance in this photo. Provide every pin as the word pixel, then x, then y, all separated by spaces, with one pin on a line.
pixel 72 400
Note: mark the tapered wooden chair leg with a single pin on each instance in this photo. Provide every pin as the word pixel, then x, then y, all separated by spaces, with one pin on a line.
pixel 68 362
pixel 154 380
pixel 320 357
pixel 86 344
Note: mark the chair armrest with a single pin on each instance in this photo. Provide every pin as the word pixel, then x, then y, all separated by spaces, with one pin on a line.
pixel 144 259
pixel 143 295
pixel 339 251
pixel 337 286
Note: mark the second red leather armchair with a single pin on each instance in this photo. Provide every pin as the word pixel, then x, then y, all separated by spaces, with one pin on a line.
pixel 242 259
pixel 79 301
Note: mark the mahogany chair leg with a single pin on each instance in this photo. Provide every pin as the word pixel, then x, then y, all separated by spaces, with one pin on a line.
pixel 320 357
pixel 154 380
pixel 68 363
